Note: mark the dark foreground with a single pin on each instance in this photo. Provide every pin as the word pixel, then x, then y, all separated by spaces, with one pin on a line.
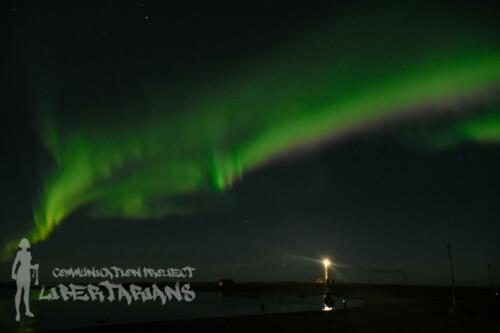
pixel 394 317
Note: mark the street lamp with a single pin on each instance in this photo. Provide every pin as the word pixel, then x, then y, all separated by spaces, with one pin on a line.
pixel 326 264
pixel 328 299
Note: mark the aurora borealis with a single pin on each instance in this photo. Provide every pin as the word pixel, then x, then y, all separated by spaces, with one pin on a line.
pixel 138 147
pixel 121 172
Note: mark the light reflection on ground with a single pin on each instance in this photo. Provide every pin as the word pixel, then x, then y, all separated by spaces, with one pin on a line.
pixel 327 308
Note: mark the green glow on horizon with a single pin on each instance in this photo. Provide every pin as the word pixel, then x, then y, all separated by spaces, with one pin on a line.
pixel 485 128
pixel 482 128
pixel 132 168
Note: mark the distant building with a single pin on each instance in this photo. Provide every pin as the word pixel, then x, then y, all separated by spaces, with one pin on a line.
pixel 226 283
pixel 319 279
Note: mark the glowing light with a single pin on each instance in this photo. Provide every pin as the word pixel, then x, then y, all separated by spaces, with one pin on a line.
pixel 326 263
pixel 326 308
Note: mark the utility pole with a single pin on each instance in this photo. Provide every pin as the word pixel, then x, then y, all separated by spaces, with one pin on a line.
pixel 490 276
pixel 453 297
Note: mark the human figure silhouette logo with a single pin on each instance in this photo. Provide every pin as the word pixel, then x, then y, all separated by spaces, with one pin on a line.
pixel 21 272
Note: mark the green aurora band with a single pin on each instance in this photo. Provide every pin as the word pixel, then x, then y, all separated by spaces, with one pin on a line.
pixel 297 97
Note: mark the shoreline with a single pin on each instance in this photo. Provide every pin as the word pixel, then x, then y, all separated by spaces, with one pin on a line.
pixel 416 316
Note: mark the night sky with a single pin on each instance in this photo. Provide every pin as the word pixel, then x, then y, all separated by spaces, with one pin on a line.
pixel 249 140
